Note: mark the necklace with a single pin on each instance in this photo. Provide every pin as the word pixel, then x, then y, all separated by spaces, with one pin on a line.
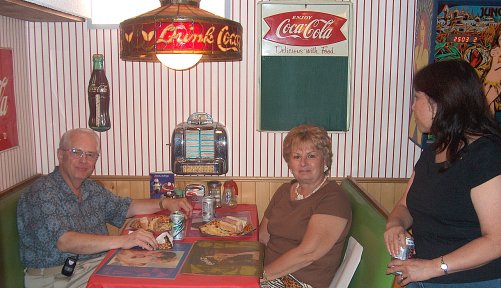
pixel 301 197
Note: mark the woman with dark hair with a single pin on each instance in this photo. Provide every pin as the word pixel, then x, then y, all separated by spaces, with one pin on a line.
pixel 453 199
pixel 307 221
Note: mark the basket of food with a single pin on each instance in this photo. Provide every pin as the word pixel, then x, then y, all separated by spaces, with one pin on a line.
pixel 159 225
pixel 227 226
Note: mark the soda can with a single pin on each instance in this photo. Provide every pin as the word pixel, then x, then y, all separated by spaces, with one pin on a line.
pixel 405 252
pixel 208 208
pixel 177 225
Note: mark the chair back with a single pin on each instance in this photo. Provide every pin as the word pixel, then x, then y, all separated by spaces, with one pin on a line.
pixel 351 259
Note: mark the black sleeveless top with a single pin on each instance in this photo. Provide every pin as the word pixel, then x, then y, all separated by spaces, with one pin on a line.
pixel 444 218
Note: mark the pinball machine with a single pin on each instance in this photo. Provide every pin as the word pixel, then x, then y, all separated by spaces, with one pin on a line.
pixel 469 30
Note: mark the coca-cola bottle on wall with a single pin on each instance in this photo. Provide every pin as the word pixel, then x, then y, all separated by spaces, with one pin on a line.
pixel 99 96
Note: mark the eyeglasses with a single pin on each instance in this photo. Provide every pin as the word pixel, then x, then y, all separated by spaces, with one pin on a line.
pixel 78 153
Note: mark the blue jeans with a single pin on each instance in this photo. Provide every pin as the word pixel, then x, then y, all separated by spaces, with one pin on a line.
pixel 484 284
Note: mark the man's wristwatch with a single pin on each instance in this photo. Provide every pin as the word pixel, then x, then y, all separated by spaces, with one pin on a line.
pixel 443 266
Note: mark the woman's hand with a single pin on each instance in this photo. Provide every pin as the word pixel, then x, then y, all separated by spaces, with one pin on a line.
pixel 394 237
pixel 398 221
pixel 264 235
pixel 413 270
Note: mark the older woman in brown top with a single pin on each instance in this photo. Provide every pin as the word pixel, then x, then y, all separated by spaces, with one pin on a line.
pixel 306 223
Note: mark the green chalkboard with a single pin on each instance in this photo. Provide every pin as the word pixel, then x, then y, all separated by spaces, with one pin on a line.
pixel 304 90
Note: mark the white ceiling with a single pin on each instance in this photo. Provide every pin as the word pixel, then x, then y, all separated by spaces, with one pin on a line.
pixel 80 8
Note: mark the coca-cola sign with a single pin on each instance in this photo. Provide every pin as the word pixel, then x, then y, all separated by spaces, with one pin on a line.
pixel 142 41
pixel 8 126
pixel 305 28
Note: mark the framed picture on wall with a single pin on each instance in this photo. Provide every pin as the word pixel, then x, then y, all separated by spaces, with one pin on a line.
pixel 8 124
pixel 304 64
pixel 459 29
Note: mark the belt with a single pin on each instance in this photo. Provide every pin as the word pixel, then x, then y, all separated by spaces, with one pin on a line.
pixel 44 271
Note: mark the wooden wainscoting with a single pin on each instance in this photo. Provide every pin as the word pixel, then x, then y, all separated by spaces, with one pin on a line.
pixel 387 191
pixel 251 190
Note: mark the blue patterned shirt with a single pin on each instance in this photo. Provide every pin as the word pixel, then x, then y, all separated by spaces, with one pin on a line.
pixel 48 209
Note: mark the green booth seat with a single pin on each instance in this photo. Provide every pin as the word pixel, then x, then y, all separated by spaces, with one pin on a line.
pixel 367 227
pixel 11 269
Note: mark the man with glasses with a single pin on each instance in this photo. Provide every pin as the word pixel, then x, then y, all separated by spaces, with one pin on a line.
pixel 62 217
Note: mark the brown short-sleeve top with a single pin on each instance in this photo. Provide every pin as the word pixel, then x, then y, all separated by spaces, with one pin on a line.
pixel 288 220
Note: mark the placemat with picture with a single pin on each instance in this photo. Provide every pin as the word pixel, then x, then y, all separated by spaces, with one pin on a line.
pixel 141 263
pixel 217 257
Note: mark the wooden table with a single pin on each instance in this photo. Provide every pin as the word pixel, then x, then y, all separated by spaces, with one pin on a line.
pixel 142 277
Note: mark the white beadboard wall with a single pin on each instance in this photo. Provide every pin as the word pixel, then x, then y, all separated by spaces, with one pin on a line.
pixel 148 100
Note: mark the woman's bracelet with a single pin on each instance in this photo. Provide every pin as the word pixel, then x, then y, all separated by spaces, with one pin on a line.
pixel 264 276
pixel 160 204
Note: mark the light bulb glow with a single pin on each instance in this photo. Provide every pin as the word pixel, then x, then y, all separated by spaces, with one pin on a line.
pixel 179 61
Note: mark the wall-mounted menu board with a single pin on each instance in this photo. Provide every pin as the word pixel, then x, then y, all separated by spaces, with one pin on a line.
pixel 304 64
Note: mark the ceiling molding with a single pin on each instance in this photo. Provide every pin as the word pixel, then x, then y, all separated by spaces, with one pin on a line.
pixel 27 11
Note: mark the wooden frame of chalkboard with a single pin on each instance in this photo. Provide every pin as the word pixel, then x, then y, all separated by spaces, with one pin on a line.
pixel 304 64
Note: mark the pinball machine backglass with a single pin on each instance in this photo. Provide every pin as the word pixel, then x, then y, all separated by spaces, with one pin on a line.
pixel 469 30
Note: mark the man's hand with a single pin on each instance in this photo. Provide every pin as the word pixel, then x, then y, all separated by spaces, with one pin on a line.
pixel 141 238
pixel 177 204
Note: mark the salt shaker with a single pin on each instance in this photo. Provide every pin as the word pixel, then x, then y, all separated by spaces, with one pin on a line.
pixel 215 191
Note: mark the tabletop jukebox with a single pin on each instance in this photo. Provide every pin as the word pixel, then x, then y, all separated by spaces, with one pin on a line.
pixel 199 147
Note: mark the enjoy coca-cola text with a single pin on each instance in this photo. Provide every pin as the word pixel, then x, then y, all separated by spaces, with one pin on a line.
pixel 304 28
pixel 316 29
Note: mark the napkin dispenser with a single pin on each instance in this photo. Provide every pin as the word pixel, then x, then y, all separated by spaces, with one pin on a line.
pixel 199 147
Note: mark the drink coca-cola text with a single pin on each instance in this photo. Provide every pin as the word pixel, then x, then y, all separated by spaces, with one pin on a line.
pixel 226 40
